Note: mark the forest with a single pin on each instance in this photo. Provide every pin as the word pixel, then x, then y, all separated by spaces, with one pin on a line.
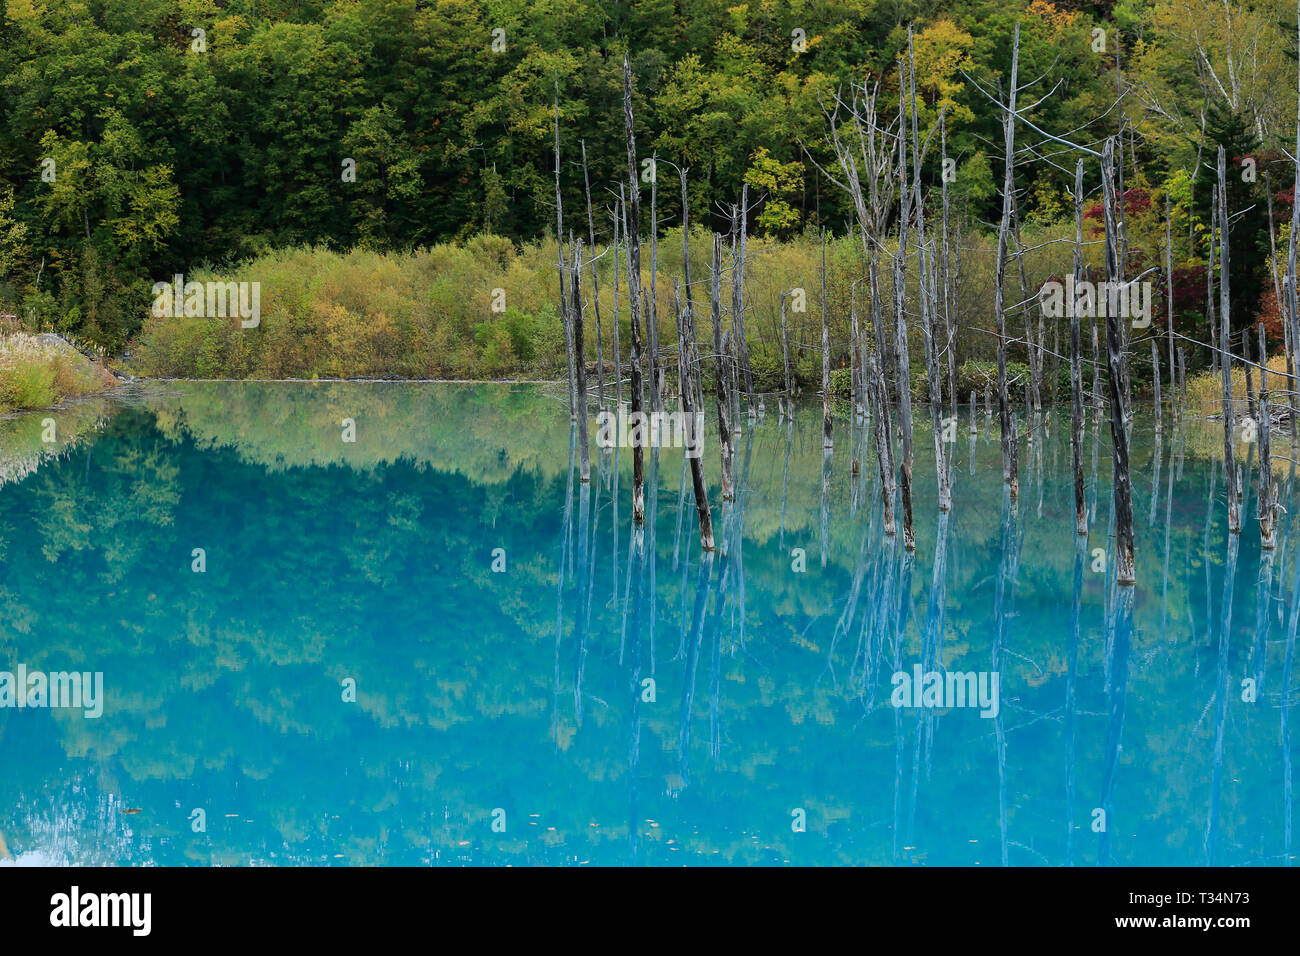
pixel 383 162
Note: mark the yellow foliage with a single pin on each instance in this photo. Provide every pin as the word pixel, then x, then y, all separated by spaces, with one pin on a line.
pixel 1056 18
pixel 941 51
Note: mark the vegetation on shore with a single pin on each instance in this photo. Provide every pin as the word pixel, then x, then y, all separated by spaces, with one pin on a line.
pixel 488 308
pixel 40 371
pixel 145 140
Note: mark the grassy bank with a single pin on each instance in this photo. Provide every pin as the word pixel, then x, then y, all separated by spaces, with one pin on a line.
pixel 38 372
pixel 1205 390
pixel 487 308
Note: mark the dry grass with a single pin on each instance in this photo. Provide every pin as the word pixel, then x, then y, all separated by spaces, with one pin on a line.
pixel 38 374
pixel 1205 389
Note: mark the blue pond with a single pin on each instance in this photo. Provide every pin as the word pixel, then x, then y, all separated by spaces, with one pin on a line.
pixel 313 652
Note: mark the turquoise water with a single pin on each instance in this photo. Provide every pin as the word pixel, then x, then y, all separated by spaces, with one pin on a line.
pixel 518 697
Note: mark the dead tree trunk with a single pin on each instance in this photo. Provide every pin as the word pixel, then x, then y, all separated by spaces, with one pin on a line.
pixel 1266 490
pixel 1292 296
pixel 788 408
pixel 688 304
pixel 827 441
pixel 693 424
pixel 1096 376
pixel 1182 375
pixel 1288 342
pixel 559 248
pixel 1155 381
pixel 1033 398
pixel 1124 565
pixel 1076 372
pixel 652 313
pixel 618 359
pixel 1225 357
pixel 1169 305
pixel 949 327
pixel 738 311
pixel 580 366
pixel 855 334
pixel 738 304
pixel 1216 359
pixel 884 442
pixel 928 301
pixel 999 287
pixel 1248 366
pixel 1121 236
pixel 595 287
pixel 633 234
pixel 722 372
pixel 902 360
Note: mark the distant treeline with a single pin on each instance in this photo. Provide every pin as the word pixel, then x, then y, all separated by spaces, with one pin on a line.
pixel 144 138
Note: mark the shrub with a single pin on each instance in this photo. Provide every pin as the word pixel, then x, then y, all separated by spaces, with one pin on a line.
pixel 36 374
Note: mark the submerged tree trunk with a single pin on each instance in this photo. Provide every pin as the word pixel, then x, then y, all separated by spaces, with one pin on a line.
pixel 949 327
pixel 722 372
pixel 1266 490
pixel 855 358
pixel 884 442
pixel 1288 343
pixel 633 234
pixel 1292 296
pixel 559 243
pixel 580 366
pixel 685 374
pixel 595 288
pixel 1076 373
pixel 1169 306
pixel 1124 565
pixel 738 303
pixel 1216 359
pixel 652 312
pixel 1225 325
pixel 902 361
pixel 999 287
pixel 618 360
pixel 1155 381
pixel 785 362
pixel 827 441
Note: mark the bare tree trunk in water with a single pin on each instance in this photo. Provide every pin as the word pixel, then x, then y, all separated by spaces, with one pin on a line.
pixel 580 365
pixel 559 242
pixel 1124 567
pixel 827 441
pixel 652 313
pixel 633 234
pixel 999 288
pixel 694 422
pixel 1076 373
pixel 595 288
pixel 1225 326
pixel 1266 490
pixel 722 372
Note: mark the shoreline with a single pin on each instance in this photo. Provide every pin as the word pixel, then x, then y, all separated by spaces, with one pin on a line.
pixel 367 381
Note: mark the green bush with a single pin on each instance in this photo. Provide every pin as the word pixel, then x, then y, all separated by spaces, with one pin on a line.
pixel 27 386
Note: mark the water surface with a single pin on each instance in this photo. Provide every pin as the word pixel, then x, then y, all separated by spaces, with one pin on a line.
pixel 519 696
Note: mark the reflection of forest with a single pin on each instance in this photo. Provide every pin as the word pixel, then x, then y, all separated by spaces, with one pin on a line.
pixel 371 560
pixel 28 440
